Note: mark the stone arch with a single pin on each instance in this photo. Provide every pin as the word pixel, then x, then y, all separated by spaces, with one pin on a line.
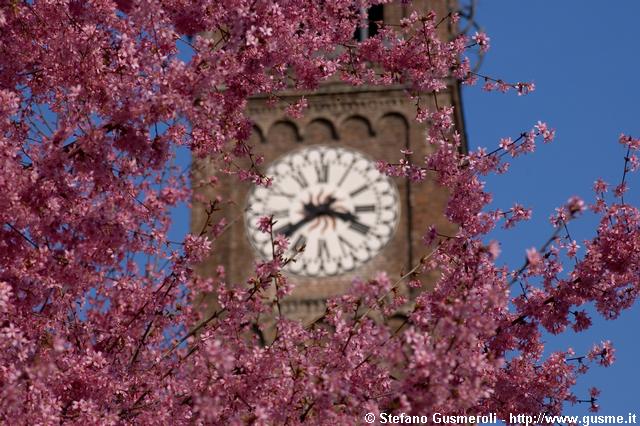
pixel 257 136
pixel 356 127
pixel 283 132
pixel 393 127
pixel 320 130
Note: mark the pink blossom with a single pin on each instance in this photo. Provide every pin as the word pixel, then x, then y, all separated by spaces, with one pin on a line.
pixel 506 144
pixel 5 296
pixel 489 86
pixel 414 284
pixel 482 40
pixel 582 321
pixel 543 129
pixel 603 353
pixel 196 248
pixel 575 205
pixel 600 186
pixel 524 89
pixel 533 257
pixel 631 142
pixel 517 213
pixel 422 115
pixel 265 224
pixel 572 248
pixel 281 242
pixel 494 249
pixel 430 236
pixel 296 110
pixel 620 189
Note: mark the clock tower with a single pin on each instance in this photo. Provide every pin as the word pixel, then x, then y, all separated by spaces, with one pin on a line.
pixel 327 193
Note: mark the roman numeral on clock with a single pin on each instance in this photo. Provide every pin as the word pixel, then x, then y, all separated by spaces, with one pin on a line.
pixel 323 250
pixel 344 175
pixel 281 213
pixel 300 179
pixel 322 171
pixel 365 209
pixel 345 246
pixel 359 227
pixel 300 242
pixel 359 190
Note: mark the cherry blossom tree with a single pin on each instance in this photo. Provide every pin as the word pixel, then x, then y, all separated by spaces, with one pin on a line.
pixel 99 323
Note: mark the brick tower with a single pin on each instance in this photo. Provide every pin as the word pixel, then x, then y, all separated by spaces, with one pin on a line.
pixel 342 128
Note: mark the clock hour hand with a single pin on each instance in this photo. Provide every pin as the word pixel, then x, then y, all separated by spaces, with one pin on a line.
pixel 291 228
pixel 311 212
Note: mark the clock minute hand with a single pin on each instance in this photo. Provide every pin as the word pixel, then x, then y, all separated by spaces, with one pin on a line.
pixel 353 219
pixel 347 217
pixel 311 212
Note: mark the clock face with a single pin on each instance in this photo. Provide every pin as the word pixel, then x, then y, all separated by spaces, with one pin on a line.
pixel 333 201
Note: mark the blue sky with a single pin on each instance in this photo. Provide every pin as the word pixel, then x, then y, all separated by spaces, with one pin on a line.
pixel 584 58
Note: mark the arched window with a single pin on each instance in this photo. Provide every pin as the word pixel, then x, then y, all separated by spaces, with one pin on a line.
pixel 375 15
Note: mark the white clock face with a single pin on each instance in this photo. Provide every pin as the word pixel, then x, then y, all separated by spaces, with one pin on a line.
pixel 332 200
